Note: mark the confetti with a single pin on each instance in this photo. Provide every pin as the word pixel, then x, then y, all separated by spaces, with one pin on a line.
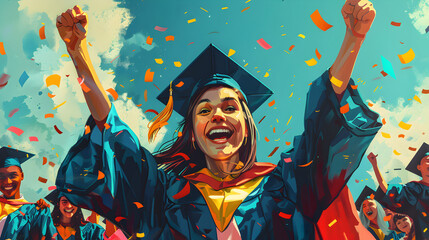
pixel 311 62
pixel 106 125
pixel 2 51
pixel 180 84
pixel 291 47
pixel 148 77
pixel 51 164
pixel 301 36
pixel 231 52
pixel 169 38
pixel 100 175
pixel 192 20
pixel 425 91
pixel 407 57
pixel 401 136
pixel 263 44
pixel 203 9
pixel 87 129
pixel 288 143
pixel 4 79
pixel 113 93
pixel 65 55
pixel 15 130
pixel 396 24
pixel 224 8
pixel 53 79
pixel 318 55
pixel 266 139
pixel 396 152
pixel 43 180
pixel 59 105
pixel 383 73
pixel 270 104
pixel 332 223
pixel 33 139
pixel 387 67
pixel 112 62
pixel 288 121
pixel 319 21
pixel 285 215
pixel 306 165
pixel 412 149
pixel 45 160
pixel 417 99
pixel 51 95
pixel 274 151
pixel 375 65
pixel 177 64
pixel 181 155
pixel 140 235
pixel 261 119
pixel 383 121
pixel 354 86
pixel 118 219
pixel 244 9
pixel 159 60
pixel 85 88
pixel 51 188
pixel 385 135
pixel 370 104
pixel 11 113
pixel 336 82
pixel 404 126
pixel 357 181
pixel 149 40
pixel 161 29
pixel 42 33
pixel 266 74
pixel 58 130
pixel 287 160
pixel 152 111
pixel 182 193
pixel 345 109
pixel 23 78
pixel 405 68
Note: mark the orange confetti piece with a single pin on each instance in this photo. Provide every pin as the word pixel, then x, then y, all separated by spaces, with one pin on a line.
pixel 274 151
pixel 285 215
pixel 148 77
pixel 274 130
pixel 270 104
pixel 412 149
pixel 138 205
pixel 375 65
pixel 401 136
pixel 396 24
pixel 371 196
pixel 425 91
pixel 179 134
pixel 113 93
pixel 319 21
pixel 139 105
pixel 404 126
pixel 318 55
pixel 87 129
pixel 387 218
pixel 45 160
pixel 180 84
pixel 288 143
pixel 424 214
pixel 354 86
pixel 266 139
pixel 51 164
pixel 244 9
pixel 149 40
pixel 85 88
pixel 53 79
pixel 291 47
pixel 384 73
pixel 49 115
pixel 145 95
pixel 152 111
pixel 370 104
pixel 69 190
pixel 43 180
pixel 107 126
pixel 169 38
pixel 51 95
pixel 306 165
pixel 118 219
pixel 2 51
pixel 345 109
pixel 100 175
pixel 383 121
pixel 407 57
pixel 42 33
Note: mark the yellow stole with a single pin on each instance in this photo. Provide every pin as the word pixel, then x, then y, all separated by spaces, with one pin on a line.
pixel 65 232
pixel 6 209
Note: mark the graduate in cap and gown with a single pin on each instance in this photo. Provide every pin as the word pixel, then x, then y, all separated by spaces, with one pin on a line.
pixel 206 183
pixel 412 198
pixel 20 219
pixel 69 221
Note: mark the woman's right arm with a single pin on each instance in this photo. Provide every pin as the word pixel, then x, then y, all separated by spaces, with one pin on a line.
pixel 72 26
pixel 373 160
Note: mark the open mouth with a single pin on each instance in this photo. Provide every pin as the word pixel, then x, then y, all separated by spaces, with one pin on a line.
pixel 68 210
pixel 369 213
pixel 8 187
pixel 219 134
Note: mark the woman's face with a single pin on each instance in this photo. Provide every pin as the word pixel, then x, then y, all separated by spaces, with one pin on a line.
pixel 404 224
pixel 219 124
pixel 369 208
pixel 66 208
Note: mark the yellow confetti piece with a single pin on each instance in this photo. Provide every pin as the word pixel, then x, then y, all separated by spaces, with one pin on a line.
pixel 159 60
pixel 53 79
pixel 396 152
pixel 386 135
pixel 140 235
pixel 376 89
pixel 336 82
pixel 246 64
pixel 57 155
pixel 332 223
pixel 266 74
pixel 132 80
pixel 284 34
pixel 203 9
pixel 291 95
pixel 121 85
pixel 231 52
pixel 248 1
pixel 192 20
pixel 286 51
pixel 277 140
pixel 425 230
pixel 301 36
pixel 288 120
pixel 404 126
pixel 407 57
pixel 417 99
pixel 311 62
pixel 177 64
pixel 59 105
pixel 110 72
pixel 224 8
pixel 65 55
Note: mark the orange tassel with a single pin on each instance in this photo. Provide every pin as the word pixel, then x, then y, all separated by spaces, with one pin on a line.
pixel 161 119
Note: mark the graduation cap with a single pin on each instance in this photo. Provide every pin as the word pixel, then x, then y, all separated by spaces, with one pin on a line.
pixel 365 194
pixel 213 67
pixel 13 157
pixel 54 196
pixel 421 153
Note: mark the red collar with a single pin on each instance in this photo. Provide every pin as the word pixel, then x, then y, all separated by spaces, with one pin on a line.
pixel 258 169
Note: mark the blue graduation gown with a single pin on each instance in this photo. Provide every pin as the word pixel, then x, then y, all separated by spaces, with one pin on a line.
pixel 28 223
pixel 301 188
pixel 392 236
pixel 411 199
pixel 89 231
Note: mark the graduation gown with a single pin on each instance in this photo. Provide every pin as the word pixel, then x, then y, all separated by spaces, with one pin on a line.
pixel 89 231
pixel 411 199
pixel 111 174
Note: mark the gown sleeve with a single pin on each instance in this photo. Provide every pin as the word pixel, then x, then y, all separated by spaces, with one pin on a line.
pixel 93 231
pixel 110 173
pixel 336 136
pixel 400 198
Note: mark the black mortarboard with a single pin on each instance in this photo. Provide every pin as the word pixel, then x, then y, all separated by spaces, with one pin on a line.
pixel 54 196
pixel 210 68
pixel 13 157
pixel 421 153
pixel 365 194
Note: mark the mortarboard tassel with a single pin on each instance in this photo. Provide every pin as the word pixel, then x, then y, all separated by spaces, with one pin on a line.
pixel 161 119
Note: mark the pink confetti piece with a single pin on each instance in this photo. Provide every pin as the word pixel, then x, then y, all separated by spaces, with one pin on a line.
pixel 4 79
pixel 263 44
pixel 33 139
pixel 161 29
pixel 16 130
pixel 287 160
pixel 52 188
pixel 357 181
pixel 11 113
pixel 114 59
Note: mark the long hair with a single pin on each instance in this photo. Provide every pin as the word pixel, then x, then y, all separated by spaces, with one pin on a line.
pixel 170 155
pixel 76 222
pixel 399 216
pixel 384 226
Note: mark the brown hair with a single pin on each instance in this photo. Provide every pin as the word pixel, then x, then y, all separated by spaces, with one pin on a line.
pixel 169 155
pixel 77 219
pixel 400 216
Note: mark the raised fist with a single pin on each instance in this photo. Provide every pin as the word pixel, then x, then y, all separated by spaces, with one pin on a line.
pixel 72 26
pixel 372 158
pixel 41 204
pixel 358 16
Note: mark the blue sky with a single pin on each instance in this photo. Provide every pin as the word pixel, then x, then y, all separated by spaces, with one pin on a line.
pixel 121 28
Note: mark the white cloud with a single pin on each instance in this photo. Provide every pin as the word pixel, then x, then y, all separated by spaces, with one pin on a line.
pixel 420 16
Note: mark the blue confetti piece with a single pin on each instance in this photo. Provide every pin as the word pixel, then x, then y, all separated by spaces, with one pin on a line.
pixel 387 67
pixel 23 78
pixel 39 190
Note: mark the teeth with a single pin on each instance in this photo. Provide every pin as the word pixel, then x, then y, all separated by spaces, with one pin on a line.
pixel 68 211
pixel 219 130
pixel 8 188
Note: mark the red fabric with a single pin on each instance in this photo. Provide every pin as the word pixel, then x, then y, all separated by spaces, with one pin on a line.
pixel 258 169
pixel 13 203
pixel 348 225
